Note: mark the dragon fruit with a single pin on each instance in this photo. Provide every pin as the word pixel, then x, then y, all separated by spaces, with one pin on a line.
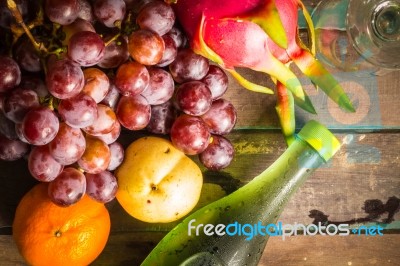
pixel 261 35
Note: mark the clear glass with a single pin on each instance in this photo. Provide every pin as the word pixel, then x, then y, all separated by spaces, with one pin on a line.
pixel 356 35
pixel 260 201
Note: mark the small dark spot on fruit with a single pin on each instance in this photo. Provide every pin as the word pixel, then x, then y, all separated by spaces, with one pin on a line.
pixel 167 151
pixel 177 213
pixel 148 201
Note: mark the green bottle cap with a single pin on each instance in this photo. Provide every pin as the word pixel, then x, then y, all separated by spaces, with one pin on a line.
pixel 320 138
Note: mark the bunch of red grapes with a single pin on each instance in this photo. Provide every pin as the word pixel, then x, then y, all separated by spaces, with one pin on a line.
pixel 109 65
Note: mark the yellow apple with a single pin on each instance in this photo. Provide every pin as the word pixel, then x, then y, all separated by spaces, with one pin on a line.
pixel 157 182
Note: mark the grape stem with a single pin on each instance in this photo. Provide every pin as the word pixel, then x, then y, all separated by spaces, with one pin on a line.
pixel 12 6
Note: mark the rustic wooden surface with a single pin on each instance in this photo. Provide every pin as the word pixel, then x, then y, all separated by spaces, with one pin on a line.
pixel 361 184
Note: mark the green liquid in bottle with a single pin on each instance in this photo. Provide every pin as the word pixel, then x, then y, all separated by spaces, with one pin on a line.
pixel 200 239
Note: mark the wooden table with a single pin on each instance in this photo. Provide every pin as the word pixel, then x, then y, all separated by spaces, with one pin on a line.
pixel 360 185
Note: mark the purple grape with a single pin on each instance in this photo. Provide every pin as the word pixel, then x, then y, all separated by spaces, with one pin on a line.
pixel 117 155
pixel 218 155
pixel 42 165
pixel 188 66
pixel 111 136
pixel 190 134
pixel 18 103
pixel 156 16
pixel 112 96
pixel 109 12
pixel 11 150
pixel 86 48
pixel 101 187
pixel 86 11
pixel 68 145
pixel 217 81
pixel 27 57
pixel 104 122
pixel 193 98
pixel 68 188
pixel 40 126
pixel 7 127
pixel 63 12
pixel 170 51
pixel 177 35
pixel 36 84
pixel 115 53
pixel 79 111
pixel 161 87
pixel 162 118
pixel 221 118
pixel 64 79
pixel 10 74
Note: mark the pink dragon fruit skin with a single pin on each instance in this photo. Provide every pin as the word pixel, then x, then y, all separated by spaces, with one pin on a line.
pixel 261 35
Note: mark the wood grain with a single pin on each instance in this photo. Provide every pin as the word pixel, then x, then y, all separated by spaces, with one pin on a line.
pixel 130 249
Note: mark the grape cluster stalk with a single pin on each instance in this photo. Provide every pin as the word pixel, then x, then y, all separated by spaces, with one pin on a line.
pixel 75 73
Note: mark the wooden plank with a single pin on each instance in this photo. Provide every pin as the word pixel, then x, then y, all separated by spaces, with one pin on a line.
pixel 366 171
pixel 130 249
pixel 375 99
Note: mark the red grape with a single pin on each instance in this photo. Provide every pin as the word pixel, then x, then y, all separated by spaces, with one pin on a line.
pixel 117 155
pixel 115 53
pixel 162 118
pixel 217 81
pixel 221 118
pixel 109 12
pixel 7 127
pixel 11 150
pixel 188 66
pixel 193 98
pixel 101 187
pixel 18 103
pixel 156 16
pixel 10 74
pixel 104 122
pixel 96 157
pixel 79 111
pixel 111 136
pixel 177 35
pixel 190 134
pixel 86 11
pixel 42 165
pixel 77 26
pixel 170 51
pixel 146 47
pixel 86 48
pixel 97 84
pixel 68 145
pixel 27 57
pixel 112 96
pixel 64 79
pixel 40 126
pixel 133 112
pixel 132 78
pixel 63 12
pixel 68 188
pixel 218 155
pixel 161 87
pixel 36 84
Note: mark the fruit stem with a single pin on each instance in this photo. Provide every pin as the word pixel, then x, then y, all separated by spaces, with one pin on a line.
pixel 12 6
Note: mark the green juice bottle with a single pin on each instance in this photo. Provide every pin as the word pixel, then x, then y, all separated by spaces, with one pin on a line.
pixel 234 229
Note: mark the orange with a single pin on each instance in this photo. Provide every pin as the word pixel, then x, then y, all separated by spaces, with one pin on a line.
pixel 47 234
